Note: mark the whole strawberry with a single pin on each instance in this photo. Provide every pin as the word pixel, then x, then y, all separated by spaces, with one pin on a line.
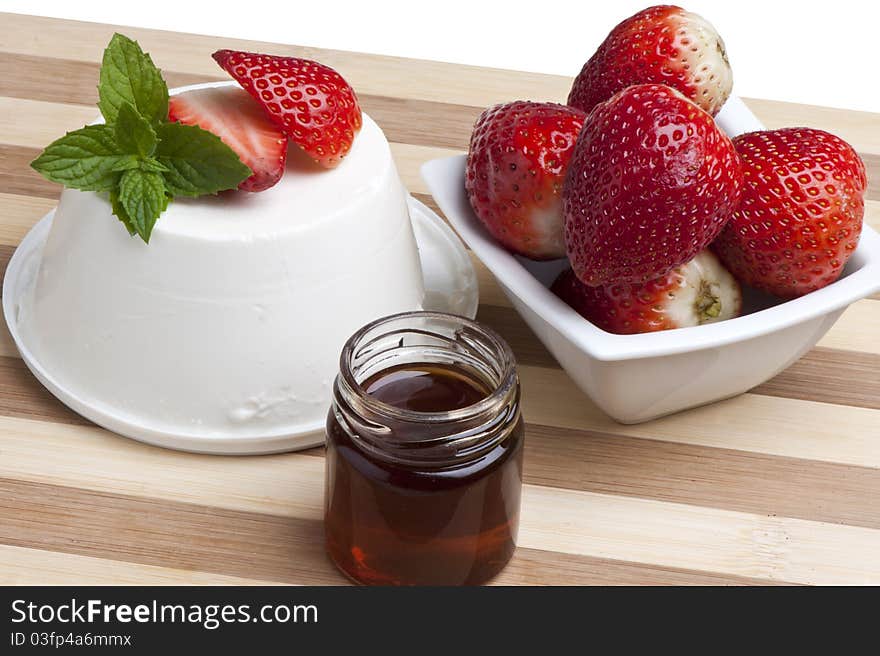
pixel 700 291
pixel 515 169
pixel 661 45
pixel 314 106
pixel 801 211
pixel 652 182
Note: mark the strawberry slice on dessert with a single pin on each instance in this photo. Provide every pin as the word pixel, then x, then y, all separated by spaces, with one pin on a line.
pixel 698 292
pixel 314 106
pixel 232 115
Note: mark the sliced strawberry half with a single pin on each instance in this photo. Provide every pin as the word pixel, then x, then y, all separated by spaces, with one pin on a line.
pixel 317 109
pixel 232 115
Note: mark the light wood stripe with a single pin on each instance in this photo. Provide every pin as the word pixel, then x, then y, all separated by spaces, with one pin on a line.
pixel 45 121
pixel 23 566
pixel 858 128
pixel 750 422
pixel 647 531
pixel 19 214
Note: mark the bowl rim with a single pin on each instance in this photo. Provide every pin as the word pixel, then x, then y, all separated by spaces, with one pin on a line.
pixel 445 178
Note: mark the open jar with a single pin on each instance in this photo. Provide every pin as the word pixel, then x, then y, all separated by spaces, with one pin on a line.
pixel 424 453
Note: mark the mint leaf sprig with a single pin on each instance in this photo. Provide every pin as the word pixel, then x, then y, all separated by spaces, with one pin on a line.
pixel 139 158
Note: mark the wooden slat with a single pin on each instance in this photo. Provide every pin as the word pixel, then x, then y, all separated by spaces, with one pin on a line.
pixel 19 214
pixel 23 566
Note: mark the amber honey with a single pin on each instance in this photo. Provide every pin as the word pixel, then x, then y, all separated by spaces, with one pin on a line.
pixel 424 474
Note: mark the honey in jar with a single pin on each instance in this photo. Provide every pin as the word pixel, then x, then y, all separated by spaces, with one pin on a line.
pixel 424 453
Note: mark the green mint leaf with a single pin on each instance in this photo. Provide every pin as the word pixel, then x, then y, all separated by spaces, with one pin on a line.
pixel 121 214
pixel 152 164
pixel 127 162
pixel 129 75
pixel 198 162
pixel 143 198
pixel 88 159
pixel 134 135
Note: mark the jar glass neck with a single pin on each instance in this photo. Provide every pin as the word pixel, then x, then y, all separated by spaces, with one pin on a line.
pixel 427 438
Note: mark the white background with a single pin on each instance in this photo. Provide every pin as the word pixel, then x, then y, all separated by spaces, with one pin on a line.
pixel 822 53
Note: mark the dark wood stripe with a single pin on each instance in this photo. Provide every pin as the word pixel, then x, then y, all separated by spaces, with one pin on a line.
pixel 251 545
pixel 23 396
pixel 6 252
pixel 418 122
pixel 155 532
pixel 68 81
pixel 872 165
pixel 17 176
pixel 703 476
pixel 830 376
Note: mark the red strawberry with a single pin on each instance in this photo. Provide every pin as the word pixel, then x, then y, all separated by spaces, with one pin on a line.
pixel 315 107
pixel 651 182
pixel 515 169
pixel 801 211
pixel 658 45
pixel 701 291
pixel 233 116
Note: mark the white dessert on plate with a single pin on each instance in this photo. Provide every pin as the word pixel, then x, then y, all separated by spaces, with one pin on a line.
pixel 230 322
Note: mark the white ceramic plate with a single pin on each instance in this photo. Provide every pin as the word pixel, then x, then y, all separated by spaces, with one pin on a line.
pixel 450 286
pixel 634 378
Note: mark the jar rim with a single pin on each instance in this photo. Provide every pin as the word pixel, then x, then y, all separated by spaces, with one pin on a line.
pixel 507 380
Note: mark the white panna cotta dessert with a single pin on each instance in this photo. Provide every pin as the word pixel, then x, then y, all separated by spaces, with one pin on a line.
pixel 230 322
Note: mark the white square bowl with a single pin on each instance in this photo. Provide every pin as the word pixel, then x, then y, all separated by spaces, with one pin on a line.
pixel 635 378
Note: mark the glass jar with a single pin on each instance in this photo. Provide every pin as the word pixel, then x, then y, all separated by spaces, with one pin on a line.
pixel 424 453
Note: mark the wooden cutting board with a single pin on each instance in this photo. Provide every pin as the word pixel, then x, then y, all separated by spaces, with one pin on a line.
pixel 780 485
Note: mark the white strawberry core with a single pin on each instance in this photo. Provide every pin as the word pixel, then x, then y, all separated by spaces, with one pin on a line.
pixel 708 293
